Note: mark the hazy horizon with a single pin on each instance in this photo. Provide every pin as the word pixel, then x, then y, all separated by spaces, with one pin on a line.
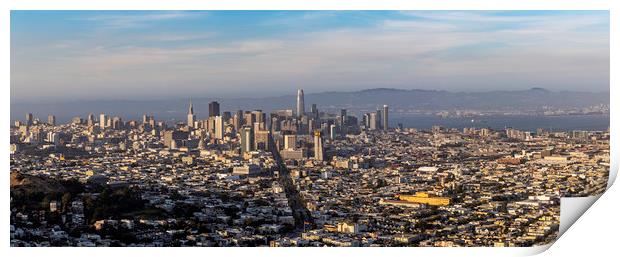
pixel 354 101
pixel 285 94
pixel 59 56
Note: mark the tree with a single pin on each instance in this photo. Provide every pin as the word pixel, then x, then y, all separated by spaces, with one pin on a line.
pixel 45 203
pixel 65 200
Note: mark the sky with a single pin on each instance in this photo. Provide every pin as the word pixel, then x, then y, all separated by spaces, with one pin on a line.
pixel 61 56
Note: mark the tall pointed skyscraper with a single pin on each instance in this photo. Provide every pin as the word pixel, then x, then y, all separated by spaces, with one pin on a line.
pixel 301 109
pixel 385 118
pixel 190 115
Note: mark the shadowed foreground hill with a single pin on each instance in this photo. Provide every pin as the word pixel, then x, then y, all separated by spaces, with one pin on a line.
pixel 33 184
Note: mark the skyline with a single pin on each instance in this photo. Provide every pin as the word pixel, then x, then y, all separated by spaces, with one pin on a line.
pixel 106 55
pixel 289 94
pixel 406 114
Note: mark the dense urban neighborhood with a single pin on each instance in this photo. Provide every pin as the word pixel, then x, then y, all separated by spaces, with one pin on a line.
pixel 293 178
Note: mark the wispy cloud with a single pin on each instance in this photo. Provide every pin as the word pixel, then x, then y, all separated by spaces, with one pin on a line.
pixel 133 20
pixel 454 51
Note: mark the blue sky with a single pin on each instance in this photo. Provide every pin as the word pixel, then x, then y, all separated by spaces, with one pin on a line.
pixel 84 55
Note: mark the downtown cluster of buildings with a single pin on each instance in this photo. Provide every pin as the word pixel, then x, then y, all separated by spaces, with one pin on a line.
pixel 301 178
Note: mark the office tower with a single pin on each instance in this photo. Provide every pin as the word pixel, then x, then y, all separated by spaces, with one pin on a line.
pixel 268 122
pixel 219 127
pixel 303 124
pixel 116 123
pixel 214 109
pixel 174 138
pixel 311 126
pixel 238 120
pixel 29 119
pixel 378 125
pixel 51 119
pixel 314 111
pixel 343 122
pixel 210 125
pixel 145 119
pixel 53 137
pixel 191 117
pixel 261 139
pixel 102 120
pixel 247 139
pixel 332 131
pixel 275 124
pixel 259 117
pixel 226 116
pixel 318 146
pixel 300 103
pixel 366 120
pixel 290 142
pixel 257 126
pixel 372 121
pixel 385 117
pixel 248 118
pixel 90 120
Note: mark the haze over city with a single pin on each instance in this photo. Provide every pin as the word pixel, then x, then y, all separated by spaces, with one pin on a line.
pixel 148 55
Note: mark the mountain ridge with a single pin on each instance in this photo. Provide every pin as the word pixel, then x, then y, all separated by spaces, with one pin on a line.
pixel 355 101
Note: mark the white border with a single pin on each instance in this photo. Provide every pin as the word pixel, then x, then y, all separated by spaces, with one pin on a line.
pixel 297 5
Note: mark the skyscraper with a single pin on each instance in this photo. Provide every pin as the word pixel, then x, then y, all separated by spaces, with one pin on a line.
pixel 385 117
pixel 238 120
pixel 214 109
pixel 372 121
pixel 219 127
pixel 311 126
pixel 314 111
pixel 301 109
pixel 191 117
pixel 102 120
pixel 259 117
pixel 29 119
pixel 90 120
pixel 379 113
pixel 226 116
pixel 51 119
pixel 261 139
pixel 247 139
pixel 116 123
pixel 289 142
pixel 318 146
pixel 343 122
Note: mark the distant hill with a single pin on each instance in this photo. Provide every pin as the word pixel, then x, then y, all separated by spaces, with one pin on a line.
pixel 356 101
